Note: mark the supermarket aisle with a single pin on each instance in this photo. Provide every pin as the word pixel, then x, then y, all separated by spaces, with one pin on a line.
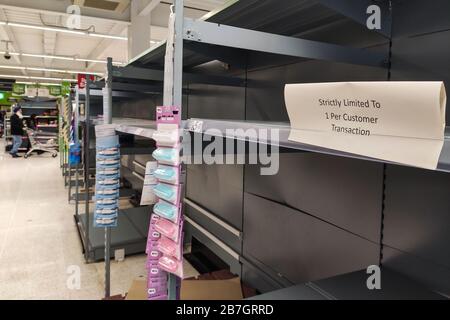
pixel 38 238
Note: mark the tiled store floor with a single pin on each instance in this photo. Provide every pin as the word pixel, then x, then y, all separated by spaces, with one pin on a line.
pixel 38 237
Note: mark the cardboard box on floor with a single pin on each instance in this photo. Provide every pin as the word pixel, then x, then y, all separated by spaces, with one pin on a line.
pixel 211 289
pixel 138 290
pixel 195 290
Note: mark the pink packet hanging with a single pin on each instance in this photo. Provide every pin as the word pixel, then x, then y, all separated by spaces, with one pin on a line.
pixel 153 235
pixel 168 115
pixel 154 271
pixel 157 290
pixel 154 218
pixel 153 254
pixel 156 282
pixel 168 229
pixel 169 247
pixel 171 265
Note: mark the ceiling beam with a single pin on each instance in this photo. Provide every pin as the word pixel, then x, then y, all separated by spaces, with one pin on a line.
pixel 49 44
pixel 123 4
pixel 149 7
pixel 55 9
pixel 39 67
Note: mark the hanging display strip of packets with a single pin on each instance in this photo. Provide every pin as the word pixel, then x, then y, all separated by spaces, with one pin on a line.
pixel 107 176
pixel 165 238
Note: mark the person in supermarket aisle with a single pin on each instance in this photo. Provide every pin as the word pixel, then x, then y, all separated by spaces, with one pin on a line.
pixel 16 130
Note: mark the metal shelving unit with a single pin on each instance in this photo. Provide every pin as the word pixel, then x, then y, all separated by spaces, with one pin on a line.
pixel 244 28
pixel 231 34
pixel 131 232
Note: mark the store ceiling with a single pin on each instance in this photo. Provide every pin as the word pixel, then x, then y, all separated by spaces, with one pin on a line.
pixel 21 22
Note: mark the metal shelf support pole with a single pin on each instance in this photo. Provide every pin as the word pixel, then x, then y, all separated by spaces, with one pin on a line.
pixel 86 167
pixel 177 96
pixel 107 118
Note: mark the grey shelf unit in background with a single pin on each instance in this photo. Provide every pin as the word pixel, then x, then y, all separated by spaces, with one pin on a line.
pixel 341 212
pixel 131 233
pixel 34 106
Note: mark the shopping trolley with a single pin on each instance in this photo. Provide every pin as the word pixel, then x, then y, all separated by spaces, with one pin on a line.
pixel 41 142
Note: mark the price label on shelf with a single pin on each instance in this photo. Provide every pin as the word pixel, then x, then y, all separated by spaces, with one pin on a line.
pixel 196 126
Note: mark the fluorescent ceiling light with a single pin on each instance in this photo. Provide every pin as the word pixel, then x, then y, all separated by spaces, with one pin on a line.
pixel 45 56
pixel 84 72
pixel 13 76
pixel 56 29
pixel 10 53
pixel 90 60
pixel 44 69
pixel 48 56
pixel 43 78
pixel 107 36
pixel 12 67
pixel 99 61
pixel 62 29
pixel 50 70
pixel 32 77
pixel 38 82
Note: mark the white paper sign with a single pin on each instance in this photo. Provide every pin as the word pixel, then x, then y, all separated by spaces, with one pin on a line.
pixel 402 122
pixel 148 197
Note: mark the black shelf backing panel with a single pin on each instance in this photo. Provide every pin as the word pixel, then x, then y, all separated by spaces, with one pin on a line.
pixel 219 189
pixel 265 93
pixel 430 275
pixel 298 246
pixel 213 101
pixel 141 108
pixel 417 218
pixel 422 58
pixel 259 280
pixel 415 17
pixel 344 192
